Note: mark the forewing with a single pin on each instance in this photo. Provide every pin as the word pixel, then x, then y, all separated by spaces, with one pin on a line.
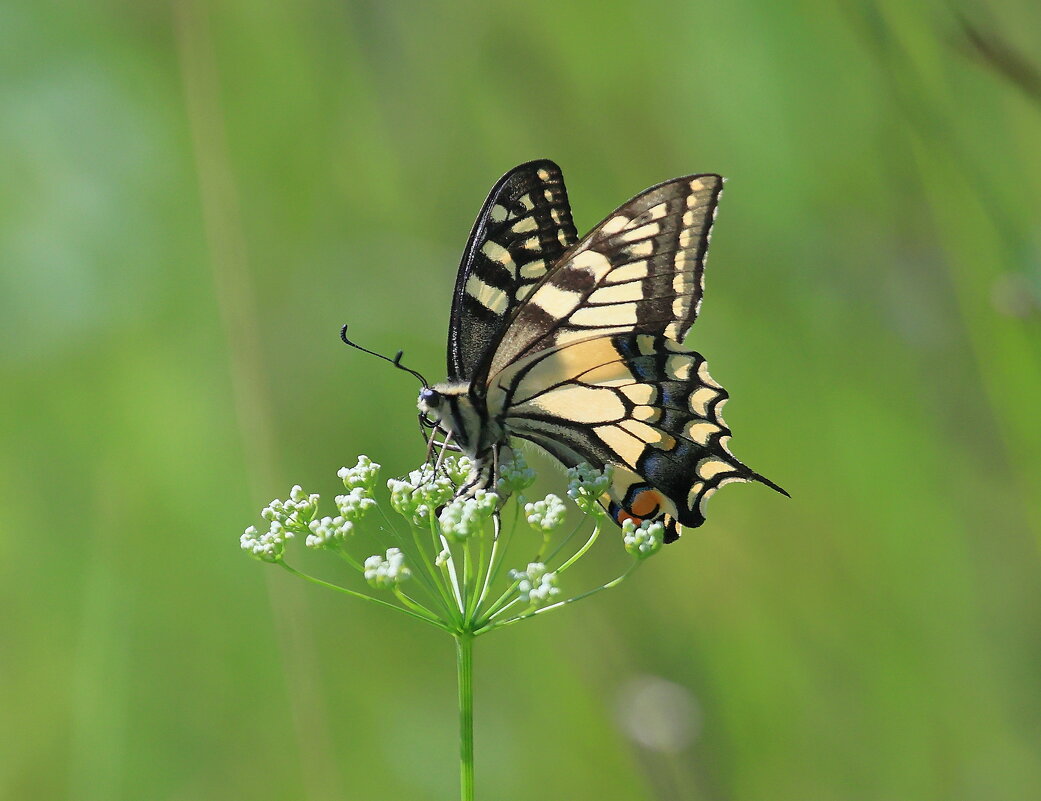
pixel 641 402
pixel 524 227
pixel 639 271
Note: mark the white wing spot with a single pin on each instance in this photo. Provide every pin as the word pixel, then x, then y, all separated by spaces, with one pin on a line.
pixel 643 232
pixel 618 293
pixel 597 263
pixel 614 225
pixel 700 431
pixel 616 314
pixel 645 248
pixel 556 301
pixel 700 399
pixel 524 225
pixel 633 271
pixel 492 298
pixel 710 468
pixel 498 253
pixel 678 367
pixel 533 269
pixel 705 377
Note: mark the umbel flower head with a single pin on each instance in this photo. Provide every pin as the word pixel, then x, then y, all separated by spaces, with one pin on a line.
pixel 385 572
pixel 454 548
pixel 269 546
pixel 586 485
pixel 643 540
pixel 546 515
pixel 536 584
pixel 514 475
pixel 416 497
pixel 462 518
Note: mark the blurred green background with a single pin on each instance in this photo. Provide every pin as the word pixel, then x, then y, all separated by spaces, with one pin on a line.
pixel 196 195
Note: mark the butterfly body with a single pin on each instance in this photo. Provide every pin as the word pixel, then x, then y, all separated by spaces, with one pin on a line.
pixel 578 345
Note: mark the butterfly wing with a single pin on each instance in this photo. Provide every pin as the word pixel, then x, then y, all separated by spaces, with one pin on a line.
pixel 524 227
pixel 639 271
pixel 641 402
pixel 591 367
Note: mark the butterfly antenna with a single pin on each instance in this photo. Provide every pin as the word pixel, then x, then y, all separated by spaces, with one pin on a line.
pixel 396 361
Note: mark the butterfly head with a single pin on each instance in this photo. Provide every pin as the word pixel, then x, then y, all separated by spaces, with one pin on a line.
pixel 454 411
pixel 430 405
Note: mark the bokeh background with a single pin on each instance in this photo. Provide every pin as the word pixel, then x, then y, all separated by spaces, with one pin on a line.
pixel 196 195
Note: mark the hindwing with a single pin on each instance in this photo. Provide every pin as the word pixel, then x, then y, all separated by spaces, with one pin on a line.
pixel 523 228
pixel 644 404
pixel 640 270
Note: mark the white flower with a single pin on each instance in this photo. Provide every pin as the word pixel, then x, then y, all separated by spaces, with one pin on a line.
pixel 458 468
pixel 418 495
pixel 268 546
pixel 586 485
pixel 355 503
pixel 465 517
pixel 643 540
pixel 362 476
pixel 442 558
pixel 514 475
pixel 386 571
pixel 535 584
pixel 328 532
pixel 295 513
pixel 547 515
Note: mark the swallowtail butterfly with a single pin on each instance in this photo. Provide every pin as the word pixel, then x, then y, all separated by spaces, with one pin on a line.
pixel 577 345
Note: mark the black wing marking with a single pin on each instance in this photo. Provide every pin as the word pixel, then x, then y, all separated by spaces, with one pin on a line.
pixel 523 228
pixel 641 402
pixel 641 271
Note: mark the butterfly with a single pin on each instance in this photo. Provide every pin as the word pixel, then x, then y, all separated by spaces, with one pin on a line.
pixel 578 345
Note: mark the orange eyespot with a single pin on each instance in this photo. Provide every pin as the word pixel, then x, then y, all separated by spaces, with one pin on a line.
pixel 647 503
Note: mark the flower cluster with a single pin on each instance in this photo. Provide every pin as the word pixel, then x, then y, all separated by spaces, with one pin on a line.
pixel 547 515
pixel 458 468
pixel 269 546
pixel 387 572
pixel 586 485
pixel 643 540
pixel 295 513
pixel 536 584
pixel 514 475
pixel 285 519
pixel 462 518
pixel 328 532
pixel 362 476
pixel 417 496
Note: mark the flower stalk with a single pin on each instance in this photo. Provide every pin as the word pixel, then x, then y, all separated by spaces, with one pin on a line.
pixel 448 569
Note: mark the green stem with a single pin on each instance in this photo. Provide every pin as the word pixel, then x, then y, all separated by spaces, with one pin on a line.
pixel 488 626
pixel 581 551
pixel 440 590
pixel 464 643
pixel 362 596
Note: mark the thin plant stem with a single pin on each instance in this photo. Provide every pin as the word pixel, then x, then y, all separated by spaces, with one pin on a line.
pixel 379 602
pixel 427 576
pixel 414 605
pixel 497 566
pixel 564 542
pixel 581 551
pixel 613 583
pixel 464 642
pixel 487 566
pixel 441 591
pixel 453 576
